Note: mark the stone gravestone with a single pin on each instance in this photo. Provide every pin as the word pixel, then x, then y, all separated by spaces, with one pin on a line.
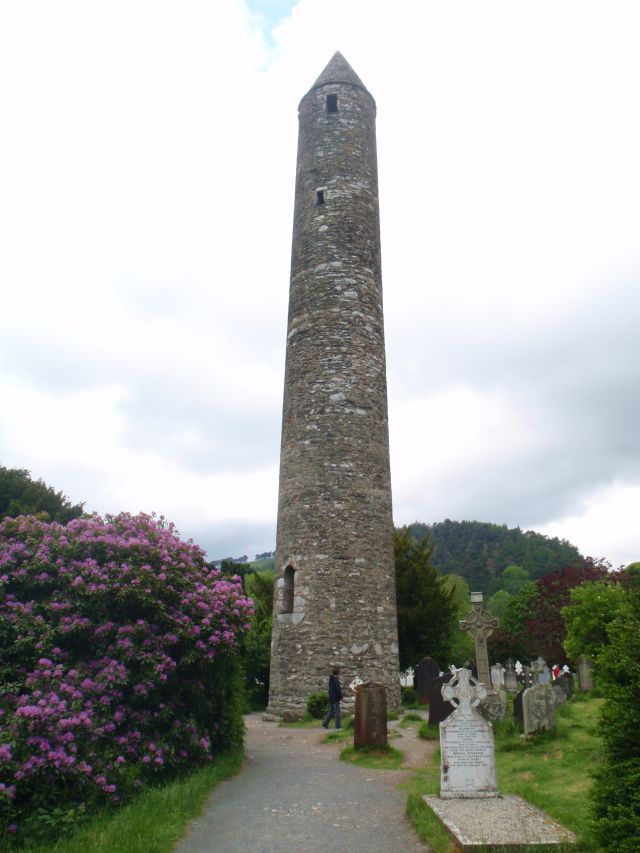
pixel 439 708
pixel 565 680
pixel 496 676
pixel 538 667
pixel 481 626
pixel 538 708
pixel 559 696
pixel 526 675
pixel 426 671
pixel 510 678
pixel 467 767
pixel 517 708
pixel 370 728
pixel 585 674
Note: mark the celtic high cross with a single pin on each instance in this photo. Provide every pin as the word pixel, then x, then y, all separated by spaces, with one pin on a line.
pixel 481 626
pixel 463 691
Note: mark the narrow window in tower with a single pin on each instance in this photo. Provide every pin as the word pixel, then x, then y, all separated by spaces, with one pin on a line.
pixel 332 103
pixel 319 196
pixel 287 592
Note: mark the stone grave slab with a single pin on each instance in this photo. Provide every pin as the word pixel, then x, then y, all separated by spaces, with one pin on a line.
pixel 498 823
pixel 467 767
pixel 559 696
pixel 585 674
pixel 496 676
pixel 370 724
pixel 518 715
pixel 425 672
pixel 510 677
pixel 494 706
pixel 565 680
pixel 538 708
pixel 439 707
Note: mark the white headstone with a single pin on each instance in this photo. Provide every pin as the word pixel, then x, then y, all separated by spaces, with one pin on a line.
pixel 468 768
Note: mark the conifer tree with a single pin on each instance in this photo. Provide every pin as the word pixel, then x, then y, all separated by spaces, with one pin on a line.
pixel 426 608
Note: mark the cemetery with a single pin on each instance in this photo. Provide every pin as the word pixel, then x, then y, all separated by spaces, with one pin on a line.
pixel 152 700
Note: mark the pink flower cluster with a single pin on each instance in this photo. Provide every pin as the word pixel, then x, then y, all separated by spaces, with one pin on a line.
pixel 119 641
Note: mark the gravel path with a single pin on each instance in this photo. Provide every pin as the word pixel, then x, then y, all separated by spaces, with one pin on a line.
pixel 294 793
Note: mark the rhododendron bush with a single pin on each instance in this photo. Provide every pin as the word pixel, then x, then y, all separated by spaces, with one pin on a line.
pixel 118 662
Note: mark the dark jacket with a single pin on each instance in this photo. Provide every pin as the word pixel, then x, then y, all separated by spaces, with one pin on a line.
pixel 335 691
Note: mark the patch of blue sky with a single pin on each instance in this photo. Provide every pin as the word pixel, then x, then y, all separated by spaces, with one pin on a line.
pixel 270 13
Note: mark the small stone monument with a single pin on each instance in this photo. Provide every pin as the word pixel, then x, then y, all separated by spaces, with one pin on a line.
pixel 559 696
pixel 439 707
pixel 467 767
pixel 565 680
pixel 406 677
pixel 538 708
pixel 370 728
pixel 481 626
pixel 510 678
pixel 585 674
pixel 426 671
pixel 538 667
pixel 518 715
pixel 496 676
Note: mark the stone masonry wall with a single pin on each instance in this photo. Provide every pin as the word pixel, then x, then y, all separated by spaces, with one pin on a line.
pixel 335 526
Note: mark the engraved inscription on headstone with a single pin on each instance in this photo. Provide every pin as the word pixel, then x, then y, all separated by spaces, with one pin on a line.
pixel 466 743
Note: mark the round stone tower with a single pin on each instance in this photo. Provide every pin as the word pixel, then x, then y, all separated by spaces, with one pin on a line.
pixel 335 600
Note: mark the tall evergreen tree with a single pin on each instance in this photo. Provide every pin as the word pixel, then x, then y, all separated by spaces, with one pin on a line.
pixel 426 607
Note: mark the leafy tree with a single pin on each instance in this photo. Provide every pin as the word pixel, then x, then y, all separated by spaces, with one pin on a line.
pixel 545 630
pixel 426 611
pixel 514 578
pixel 616 791
pixel 592 608
pixel 498 603
pixel 509 640
pixel 257 643
pixel 462 643
pixel 20 495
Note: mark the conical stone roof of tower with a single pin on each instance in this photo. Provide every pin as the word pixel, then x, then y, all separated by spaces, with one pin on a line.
pixel 338 70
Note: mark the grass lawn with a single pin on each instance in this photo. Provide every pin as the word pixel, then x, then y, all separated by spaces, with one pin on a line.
pixel 154 821
pixel 551 771
pixel 375 759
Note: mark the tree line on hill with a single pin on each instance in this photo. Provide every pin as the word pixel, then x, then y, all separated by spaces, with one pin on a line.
pixel 480 551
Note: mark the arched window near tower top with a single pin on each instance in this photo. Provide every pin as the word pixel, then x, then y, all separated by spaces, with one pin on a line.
pixel 288 589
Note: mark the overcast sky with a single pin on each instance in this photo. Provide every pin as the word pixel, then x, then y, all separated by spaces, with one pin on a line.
pixel 147 163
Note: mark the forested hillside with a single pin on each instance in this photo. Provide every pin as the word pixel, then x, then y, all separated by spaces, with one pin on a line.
pixel 480 551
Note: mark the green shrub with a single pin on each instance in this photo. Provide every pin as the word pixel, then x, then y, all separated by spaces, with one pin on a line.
pixel 409 696
pixel 317 705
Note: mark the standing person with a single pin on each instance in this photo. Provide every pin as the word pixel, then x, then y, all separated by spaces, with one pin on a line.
pixel 335 695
